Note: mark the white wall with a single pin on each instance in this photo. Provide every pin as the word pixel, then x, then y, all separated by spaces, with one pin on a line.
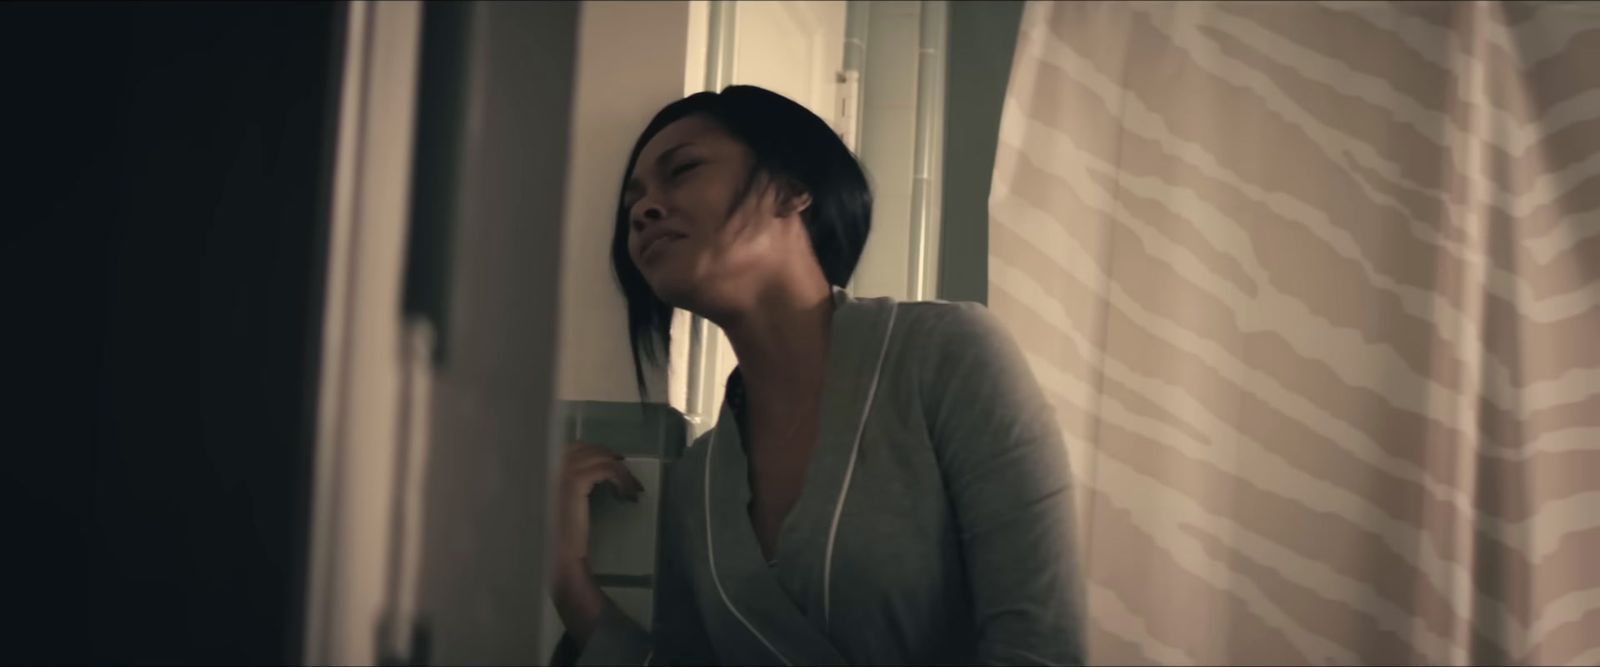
pixel 633 58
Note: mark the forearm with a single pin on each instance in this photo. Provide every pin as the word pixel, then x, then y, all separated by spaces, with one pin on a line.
pixel 578 600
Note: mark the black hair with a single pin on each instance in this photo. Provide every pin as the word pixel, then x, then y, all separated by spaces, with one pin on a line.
pixel 793 148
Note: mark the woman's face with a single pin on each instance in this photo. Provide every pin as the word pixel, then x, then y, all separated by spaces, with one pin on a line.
pixel 690 250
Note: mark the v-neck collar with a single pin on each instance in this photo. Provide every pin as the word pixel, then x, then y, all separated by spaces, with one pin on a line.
pixel 752 587
pixel 848 370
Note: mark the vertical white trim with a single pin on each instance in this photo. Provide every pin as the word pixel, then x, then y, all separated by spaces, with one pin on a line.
pixel 925 197
pixel 360 378
pixel 331 397
pixel 849 471
pixel 711 554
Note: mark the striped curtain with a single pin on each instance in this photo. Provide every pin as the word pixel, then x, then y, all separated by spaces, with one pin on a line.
pixel 1315 288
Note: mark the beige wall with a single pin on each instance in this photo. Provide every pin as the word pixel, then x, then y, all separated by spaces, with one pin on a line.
pixel 617 91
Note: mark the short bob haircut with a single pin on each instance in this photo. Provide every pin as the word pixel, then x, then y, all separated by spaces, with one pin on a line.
pixel 792 149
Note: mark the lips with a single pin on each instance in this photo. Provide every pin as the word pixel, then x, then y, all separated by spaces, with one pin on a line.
pixel 658 241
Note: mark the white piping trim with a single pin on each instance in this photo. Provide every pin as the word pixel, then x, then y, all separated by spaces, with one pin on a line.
pixel 648 656
pixel 711 553
pixel 838 508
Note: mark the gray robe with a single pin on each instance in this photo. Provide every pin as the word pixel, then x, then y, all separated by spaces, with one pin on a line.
pixel 934 525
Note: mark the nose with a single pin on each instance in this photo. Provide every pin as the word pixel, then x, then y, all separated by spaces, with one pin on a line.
pixel 645 213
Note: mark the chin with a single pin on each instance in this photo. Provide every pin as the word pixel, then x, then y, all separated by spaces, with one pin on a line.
pixel 677 291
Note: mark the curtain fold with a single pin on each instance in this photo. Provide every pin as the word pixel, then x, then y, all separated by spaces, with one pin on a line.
pixel 1315 288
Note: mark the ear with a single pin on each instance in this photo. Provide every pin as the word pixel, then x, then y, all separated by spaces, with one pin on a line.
pixel 795 202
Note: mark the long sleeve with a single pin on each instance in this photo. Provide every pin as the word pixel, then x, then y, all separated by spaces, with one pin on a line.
pixel 1006 470
pixel 678 636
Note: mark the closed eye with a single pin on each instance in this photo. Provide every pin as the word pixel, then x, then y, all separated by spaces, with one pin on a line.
pixel 633 191
pixel 684 169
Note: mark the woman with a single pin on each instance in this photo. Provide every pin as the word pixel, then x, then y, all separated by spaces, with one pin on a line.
pixel 886 483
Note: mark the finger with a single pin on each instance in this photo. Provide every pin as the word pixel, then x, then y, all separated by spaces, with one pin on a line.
pixel 591 464
pixel 633 482
pixel 585 482
pixel 618 488
pixel 581 481
pixel 586 457
pixel 590 467
pixel 626 483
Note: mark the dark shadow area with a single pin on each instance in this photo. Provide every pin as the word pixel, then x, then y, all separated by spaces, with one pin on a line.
pixel 166 171
pixel 982 38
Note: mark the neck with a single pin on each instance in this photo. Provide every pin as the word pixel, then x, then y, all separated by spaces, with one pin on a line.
pixel 781 340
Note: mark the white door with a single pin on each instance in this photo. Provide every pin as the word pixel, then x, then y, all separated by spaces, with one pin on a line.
pixel 796 49
pixel 792 48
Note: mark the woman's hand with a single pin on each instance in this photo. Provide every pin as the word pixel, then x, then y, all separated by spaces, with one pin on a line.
pixel 578 599
pixel 585 466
